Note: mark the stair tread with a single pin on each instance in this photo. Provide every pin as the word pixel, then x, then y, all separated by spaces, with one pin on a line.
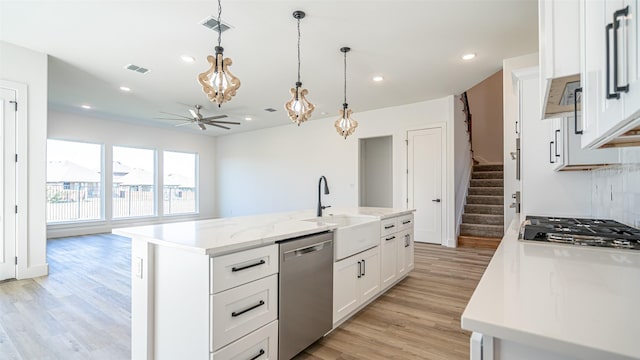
pixel 485 226
pixel 479 238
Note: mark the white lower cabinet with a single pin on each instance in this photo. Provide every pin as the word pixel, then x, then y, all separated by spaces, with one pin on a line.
pixel 261 344
pixel 356 279
pixel 243 309
pixel 408 246
pixel 390 262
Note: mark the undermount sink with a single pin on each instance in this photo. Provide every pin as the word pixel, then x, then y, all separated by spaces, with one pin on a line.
pixel 355 233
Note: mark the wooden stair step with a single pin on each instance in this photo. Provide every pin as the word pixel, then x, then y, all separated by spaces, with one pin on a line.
pixel 478 242
pixel 482 230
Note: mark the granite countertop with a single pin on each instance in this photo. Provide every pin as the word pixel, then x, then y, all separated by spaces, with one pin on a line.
pixel 577 301
pixel 226 235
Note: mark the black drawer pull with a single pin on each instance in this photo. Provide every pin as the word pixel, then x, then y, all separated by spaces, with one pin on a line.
pixel 261 262
pixel 363 268
pixel 389 226
pixel 609 95
pixel 551 152
pixel 257 356
pixel 406 222
pixel 390 238
pixel 575 111
pixel 234 314
pixel 359 269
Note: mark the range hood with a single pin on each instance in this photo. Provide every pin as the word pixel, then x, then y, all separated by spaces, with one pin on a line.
pixel 559 97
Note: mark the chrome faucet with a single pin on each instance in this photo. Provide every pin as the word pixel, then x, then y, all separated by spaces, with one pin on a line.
pixel 326 192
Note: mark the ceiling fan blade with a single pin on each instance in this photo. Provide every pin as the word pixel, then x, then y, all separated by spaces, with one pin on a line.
pixel 220 126
pixel 184 117
pixel 202 127
pixel 222 122
pixel 185 123
pixel 193 113
pixel 214 117
pixel 160 118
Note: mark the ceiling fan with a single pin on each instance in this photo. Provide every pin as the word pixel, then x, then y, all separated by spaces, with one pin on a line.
pixel 198 119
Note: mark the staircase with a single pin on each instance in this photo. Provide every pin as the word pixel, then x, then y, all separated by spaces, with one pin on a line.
pixel 483 218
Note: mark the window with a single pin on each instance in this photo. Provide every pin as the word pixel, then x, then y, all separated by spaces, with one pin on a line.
pixel 133 182
pixel 180 192
pixel 74 181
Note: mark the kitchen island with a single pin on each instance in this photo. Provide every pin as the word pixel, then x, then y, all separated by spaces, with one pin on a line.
pixel 552 301
pixel 208 289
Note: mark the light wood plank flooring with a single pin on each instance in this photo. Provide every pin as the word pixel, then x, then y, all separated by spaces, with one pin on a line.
pixel 82 309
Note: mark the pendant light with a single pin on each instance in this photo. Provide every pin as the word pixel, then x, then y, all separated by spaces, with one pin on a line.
pixel 217 82
pixel 345 125
pixel 299 108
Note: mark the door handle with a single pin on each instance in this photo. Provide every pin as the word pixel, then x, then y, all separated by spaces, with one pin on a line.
pixel 359 269
pixel 436 200
pixel 616 25
pixel 609 95
pixel 556 142
pixel 364 269
pixel 575 111
pixel 551 153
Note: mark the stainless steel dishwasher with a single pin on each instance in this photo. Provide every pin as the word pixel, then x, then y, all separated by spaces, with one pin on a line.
pixel 305 307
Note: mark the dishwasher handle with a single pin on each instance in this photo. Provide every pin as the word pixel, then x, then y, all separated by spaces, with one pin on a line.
pixel 306 250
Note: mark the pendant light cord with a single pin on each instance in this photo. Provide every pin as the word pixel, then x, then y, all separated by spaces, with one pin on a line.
pixel 298 50
pixel 345 79
pixel 219 24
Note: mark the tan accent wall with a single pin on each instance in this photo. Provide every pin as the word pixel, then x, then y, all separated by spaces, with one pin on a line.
pixel 485 104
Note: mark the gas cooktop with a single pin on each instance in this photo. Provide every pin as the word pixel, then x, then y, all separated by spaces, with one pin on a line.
pixel 587 232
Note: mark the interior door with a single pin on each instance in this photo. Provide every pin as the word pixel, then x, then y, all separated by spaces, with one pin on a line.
pixel 8 188
pixel 424 165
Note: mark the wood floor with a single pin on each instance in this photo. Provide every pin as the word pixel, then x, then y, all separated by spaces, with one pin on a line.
pixel 82 310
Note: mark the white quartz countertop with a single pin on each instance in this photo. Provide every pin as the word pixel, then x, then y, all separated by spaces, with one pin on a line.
pixel 578 301
pixel 226 235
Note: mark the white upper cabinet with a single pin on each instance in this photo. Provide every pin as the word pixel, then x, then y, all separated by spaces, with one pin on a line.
pixel 610 73
pixel 559 38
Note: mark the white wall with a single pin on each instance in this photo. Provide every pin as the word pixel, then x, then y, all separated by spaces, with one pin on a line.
pixel 510 101
pixel 462 160
pixel 277 169
pixel 29 68
pixel 68 126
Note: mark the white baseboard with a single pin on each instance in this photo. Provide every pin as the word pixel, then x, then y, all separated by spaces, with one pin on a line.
pixel 32 271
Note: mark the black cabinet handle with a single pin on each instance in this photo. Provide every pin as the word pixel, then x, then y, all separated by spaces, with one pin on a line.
pixel 261 262
pixel 359 269
pixel 390 238
pixel 516 127
pixel 551 153
pixel 608 46
pixel 234 314
pixel 436 200
pixel 364 269
pixel 406 222
pixel 257 356
pixel 389 226
pixel 407 241
pixel 575 111
pixel 556 142
pixel 616 26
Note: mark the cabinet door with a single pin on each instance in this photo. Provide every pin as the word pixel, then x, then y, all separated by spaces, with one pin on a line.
pixel 631 39
pixel 389 259
pixel 369 282
pixel 402 262
pixel 346 274
pixel 408 251
pixel 557 136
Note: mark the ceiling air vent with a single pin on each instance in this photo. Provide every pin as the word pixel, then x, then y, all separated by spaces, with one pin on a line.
pixel 136 68
pixel 212 23
pixel 270 110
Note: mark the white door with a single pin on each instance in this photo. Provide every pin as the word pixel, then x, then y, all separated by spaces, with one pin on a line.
pixel 8 189
pixel 424 165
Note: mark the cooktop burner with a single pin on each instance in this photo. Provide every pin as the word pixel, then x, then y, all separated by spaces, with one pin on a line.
pixel 586 232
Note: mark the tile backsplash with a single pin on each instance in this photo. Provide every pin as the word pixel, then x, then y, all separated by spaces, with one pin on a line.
pixel 616 189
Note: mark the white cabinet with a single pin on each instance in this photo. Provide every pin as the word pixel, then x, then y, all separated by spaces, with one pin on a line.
pixel 356 279
pixel 567 153
pixel 261 344
pixel 610 72
pixel 242 267
pixel 396 249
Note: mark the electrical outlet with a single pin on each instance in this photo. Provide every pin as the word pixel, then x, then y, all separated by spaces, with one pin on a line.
pixel 138 267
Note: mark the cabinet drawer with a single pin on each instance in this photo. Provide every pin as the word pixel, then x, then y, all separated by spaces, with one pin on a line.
pixel 231 270
pixel 243 309
pixel 388 226
pixel 405 222
pixel 261 344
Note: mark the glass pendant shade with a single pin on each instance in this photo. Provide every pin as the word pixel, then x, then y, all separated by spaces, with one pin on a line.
pixel 218 82
pixel 299 108
pixel 345 125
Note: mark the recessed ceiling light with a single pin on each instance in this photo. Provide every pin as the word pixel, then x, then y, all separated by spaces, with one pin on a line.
pixel 468 56
pixel 124 88
pixel 323 113
pixel 187 58
pixel 248 118
pixel 85 107
pixel 378 78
